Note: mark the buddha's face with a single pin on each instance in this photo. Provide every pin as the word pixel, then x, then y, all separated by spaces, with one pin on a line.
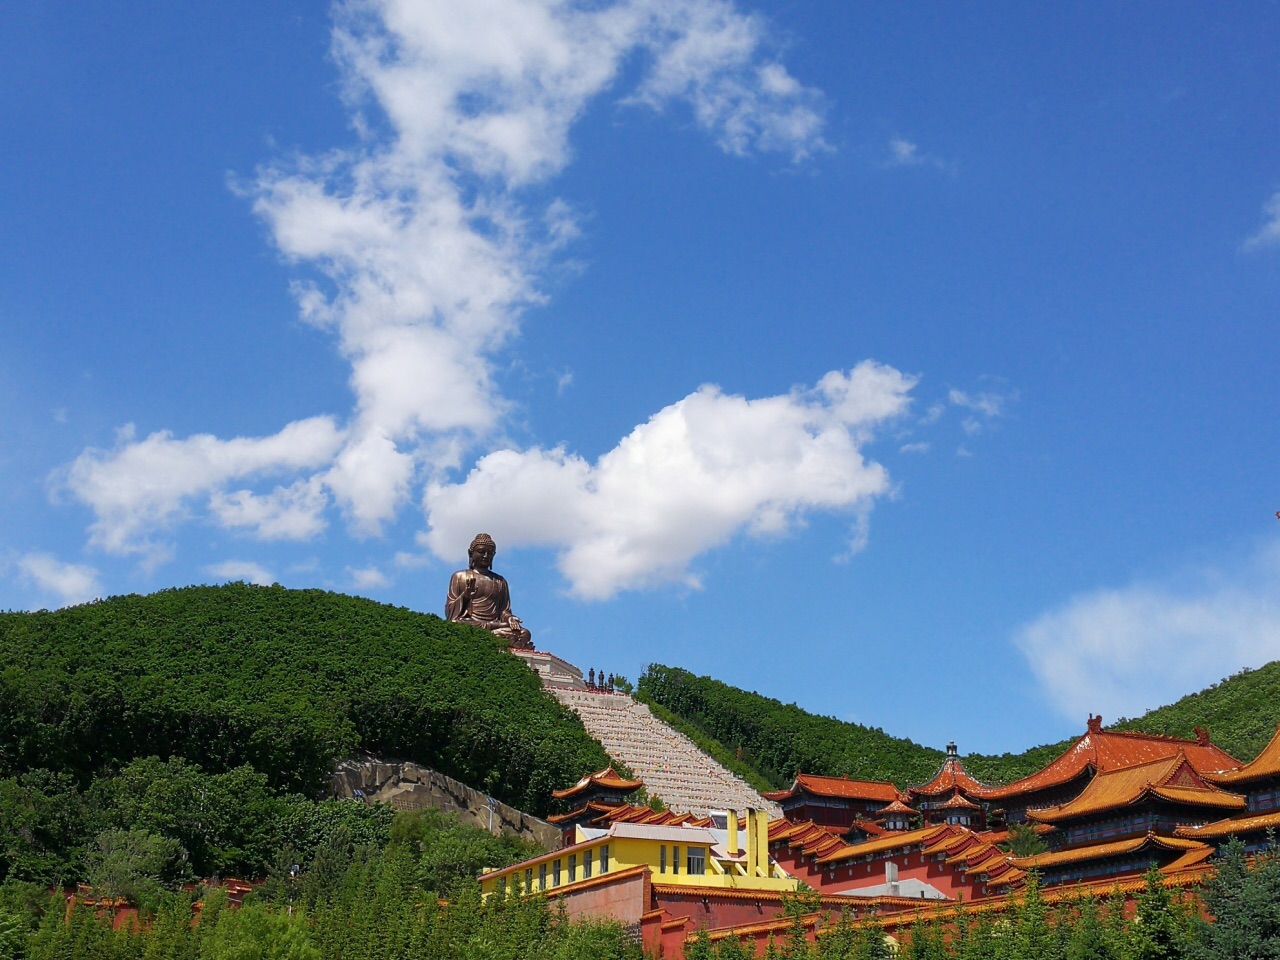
pixel 482 556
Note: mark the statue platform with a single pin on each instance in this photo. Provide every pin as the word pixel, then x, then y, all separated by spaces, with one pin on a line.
pixel 556 674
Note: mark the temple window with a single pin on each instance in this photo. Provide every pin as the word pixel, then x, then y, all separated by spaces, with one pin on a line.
pixel 697 861
pixel 675 859
pixel 555 874
pixel 604 859
pixel 586 865
pixel 542 876
pixel 573 867
pixel 662 858
pixel 528 880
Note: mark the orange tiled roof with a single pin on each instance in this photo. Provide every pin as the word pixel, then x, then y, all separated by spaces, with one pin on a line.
pixel 1101 851
pixel 1265 764
pixel 1008 878
pixel 951 844
pixel 958 802
pixel 975 857
pixel 842 787
pixel 1241 823
pixel 951 776
pixel 589 807
pixel 1190 859
pixel 891 841
pixel 1173 779
pixel 808 836
pixel 635 813
pixel 993 867
pixel 869 827
pixel 897 807
pixel 1102 750
pixel 607 778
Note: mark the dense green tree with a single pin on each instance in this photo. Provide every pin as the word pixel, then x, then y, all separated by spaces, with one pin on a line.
pixel 1244 902
pixel 255 932
pixel 43 825
pixel 136 865
pixel 926 942
pixel 1161 929
pixel 283 681
pixel 1089 939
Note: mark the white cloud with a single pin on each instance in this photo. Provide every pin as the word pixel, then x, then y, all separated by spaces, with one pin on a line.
pixel 429 245
pixel 1127 650
pixel 70 582
pixel 987 404
pixel 904 153
pixel 696 474
pixel 1269 233
pixel 142 486
pixel 983 408
pixel 367 578
pixel 917 447
pixel 295 512
pixel 245 570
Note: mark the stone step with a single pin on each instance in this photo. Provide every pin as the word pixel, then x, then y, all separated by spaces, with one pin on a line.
pixel 670 764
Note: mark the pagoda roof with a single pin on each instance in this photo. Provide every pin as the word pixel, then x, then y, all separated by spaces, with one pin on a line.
pixel 890 841
pixel 1241 823
pixel 958 802
pixel 606 779
pixel 874 790
pixel 869 827
pixel 590 808
pixel 897 807
pixel 1103 851
pixel 1173 779
pixel 951 776
pixel 1100 751
pixel 1265 764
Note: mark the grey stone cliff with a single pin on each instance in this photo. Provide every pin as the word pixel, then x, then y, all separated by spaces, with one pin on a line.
pixel 409 786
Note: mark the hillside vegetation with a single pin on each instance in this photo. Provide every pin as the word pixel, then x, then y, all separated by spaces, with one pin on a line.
pixel 284 681
pixel 775 740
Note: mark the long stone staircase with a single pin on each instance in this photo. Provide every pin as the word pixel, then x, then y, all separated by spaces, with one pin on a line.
pixel 668 762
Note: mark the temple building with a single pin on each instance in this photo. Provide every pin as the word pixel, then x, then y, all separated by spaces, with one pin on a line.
pixel 1127 819
pixel 908 864
pixel 950 791
pixel 1097 751
pixel 595 794
pixel 1119 858
pixel 657 878
pixel 1153 797
pixel 833 801
pixel 1110 807
pixel 896 816
pixel 1259 781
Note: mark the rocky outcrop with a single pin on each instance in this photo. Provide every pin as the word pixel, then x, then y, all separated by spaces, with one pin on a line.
pixel 409 786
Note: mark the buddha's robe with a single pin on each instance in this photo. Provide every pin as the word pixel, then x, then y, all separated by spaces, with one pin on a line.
pixel 484 600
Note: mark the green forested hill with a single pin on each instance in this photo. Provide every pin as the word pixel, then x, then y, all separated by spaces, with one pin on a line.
pixel 776 740
pixel 283 680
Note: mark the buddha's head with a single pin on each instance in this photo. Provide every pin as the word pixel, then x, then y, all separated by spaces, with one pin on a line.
pixel 480 553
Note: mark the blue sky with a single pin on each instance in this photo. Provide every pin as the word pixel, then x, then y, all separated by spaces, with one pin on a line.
pixel 916 364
